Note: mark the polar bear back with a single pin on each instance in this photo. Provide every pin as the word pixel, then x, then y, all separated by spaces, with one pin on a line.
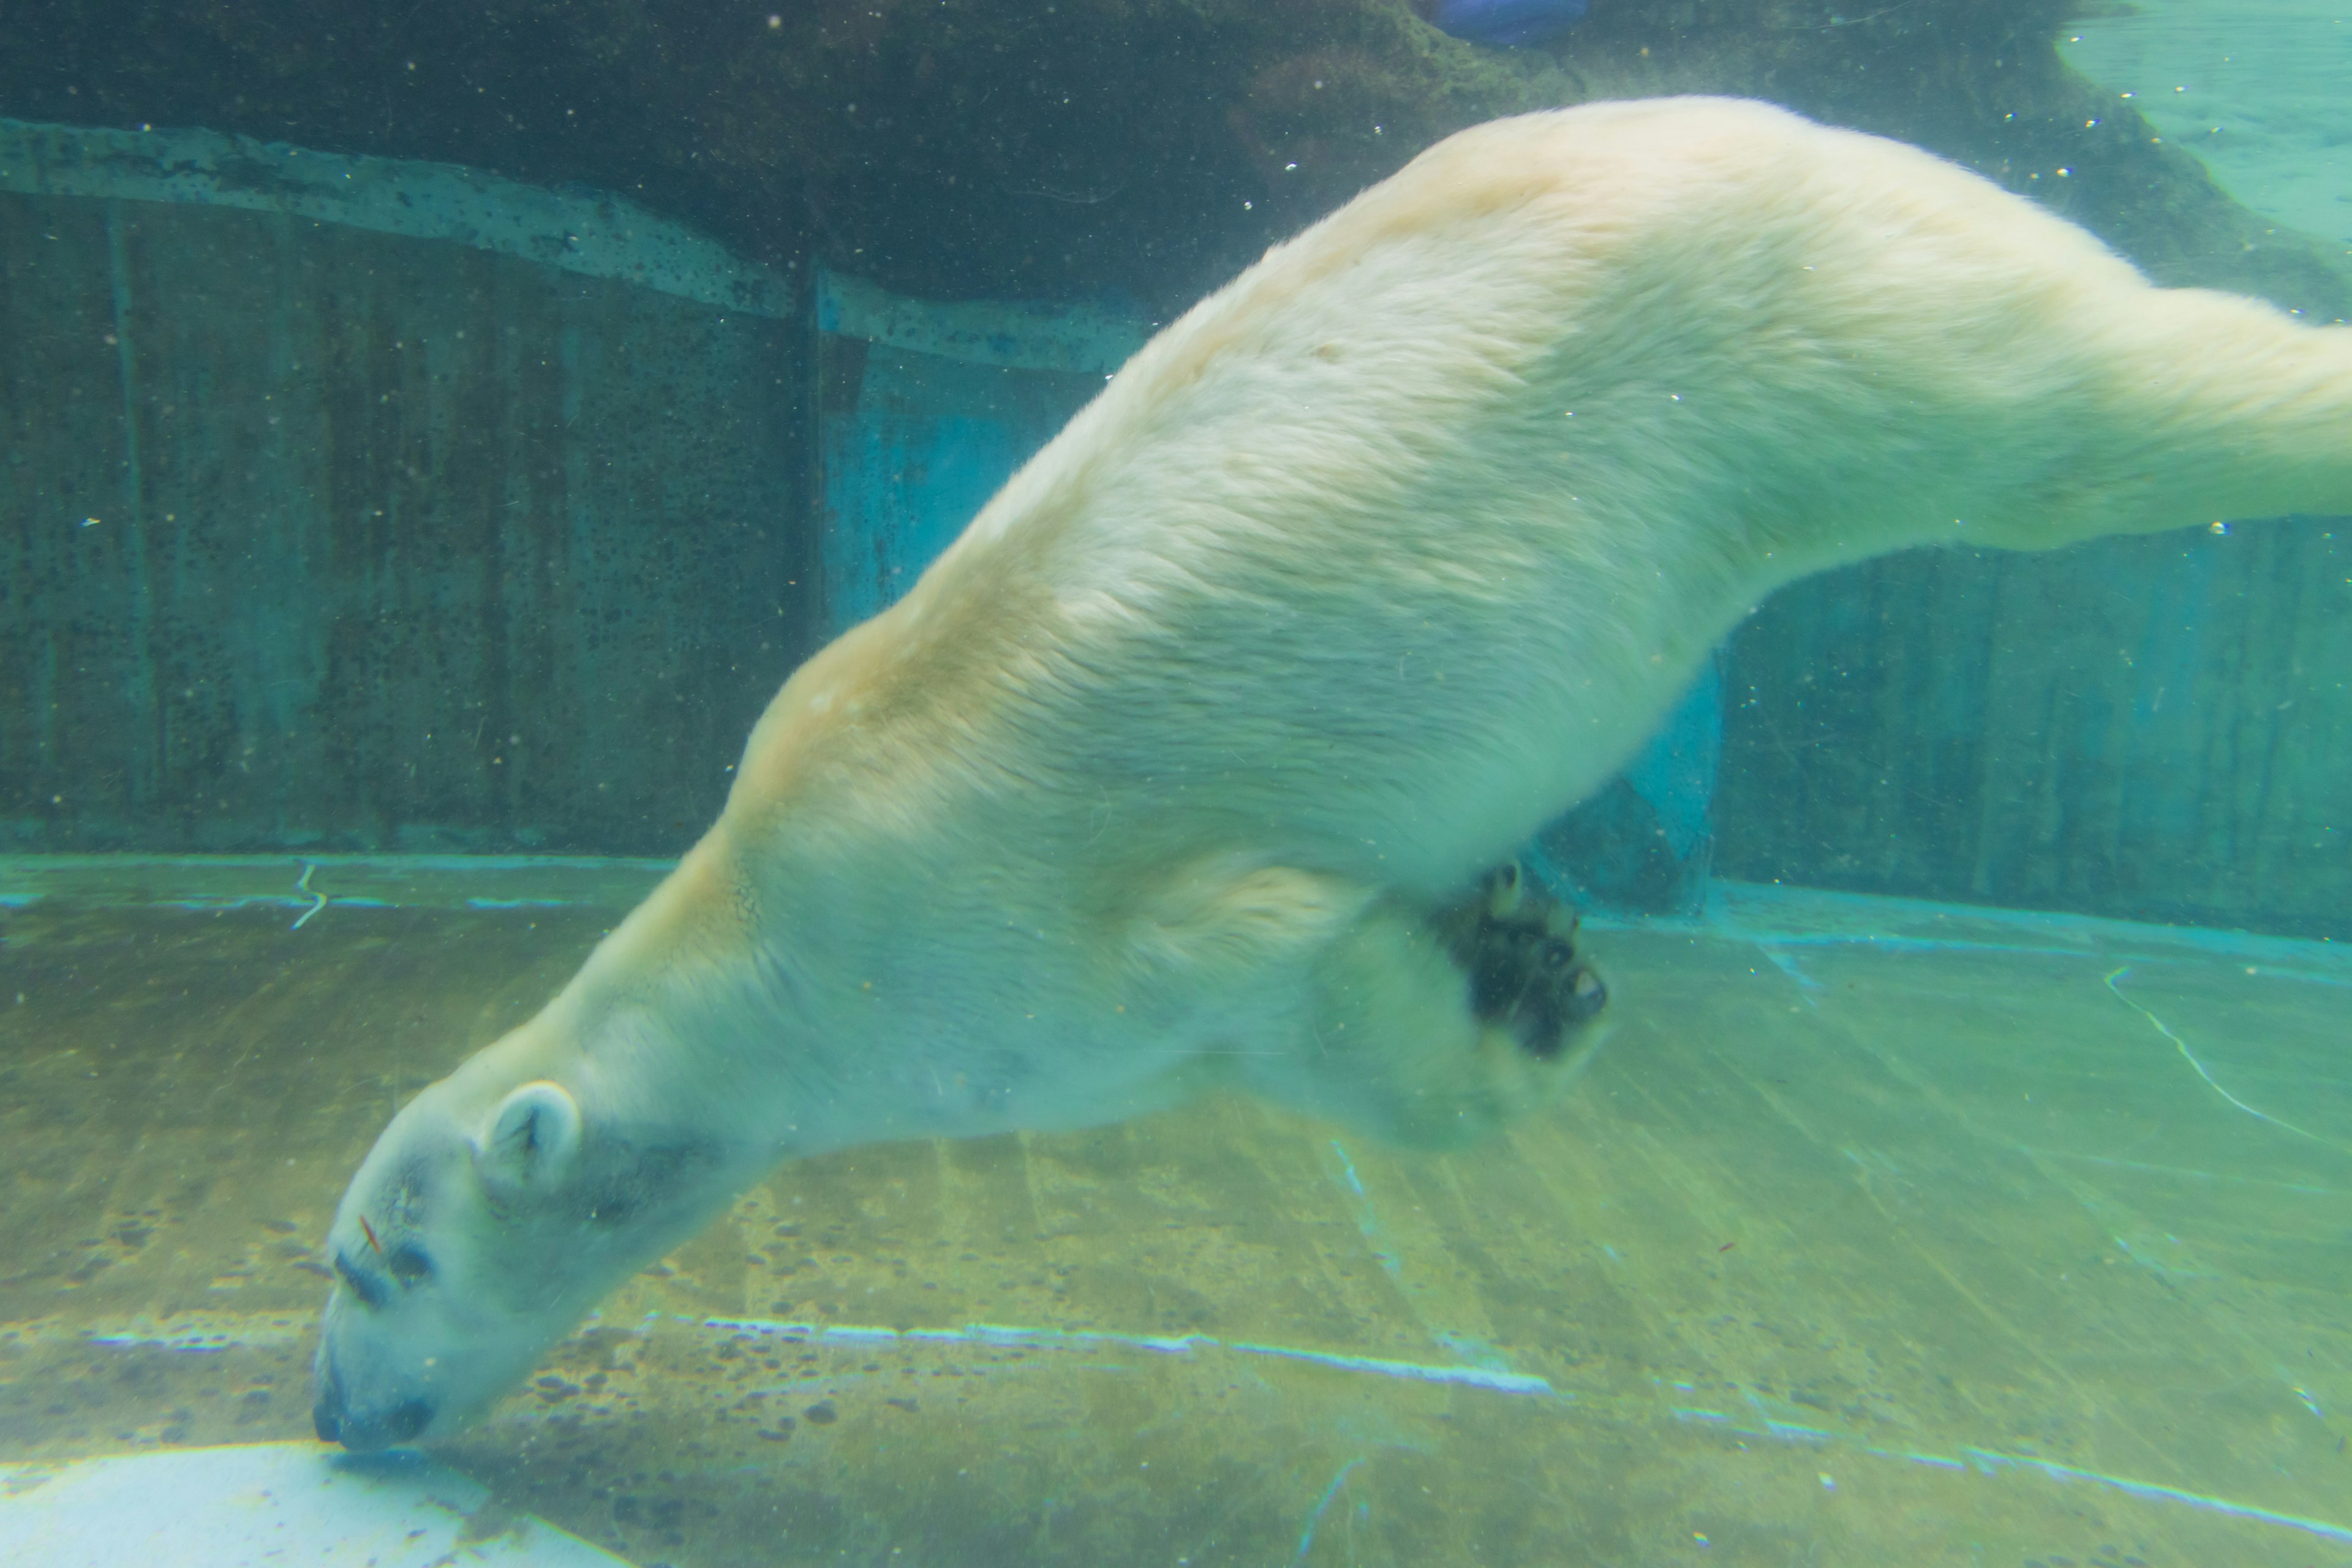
pixel 1398 544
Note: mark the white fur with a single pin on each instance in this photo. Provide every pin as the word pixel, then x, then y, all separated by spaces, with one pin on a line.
pixel 1379 558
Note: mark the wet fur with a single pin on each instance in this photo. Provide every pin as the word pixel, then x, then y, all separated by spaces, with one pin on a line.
pixel 1181 767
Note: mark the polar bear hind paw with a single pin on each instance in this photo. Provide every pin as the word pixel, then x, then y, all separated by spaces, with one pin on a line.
pixel 1518 946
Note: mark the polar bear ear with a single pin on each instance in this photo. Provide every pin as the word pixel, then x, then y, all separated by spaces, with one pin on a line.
pixel 533 1140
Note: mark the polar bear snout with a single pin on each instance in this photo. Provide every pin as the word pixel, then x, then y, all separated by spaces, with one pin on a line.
pixel 416 1369
pixel 361 1432
pixel 365 1394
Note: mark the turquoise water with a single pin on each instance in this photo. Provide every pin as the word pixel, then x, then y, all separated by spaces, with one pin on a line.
pixel 2255 91
pixel 407 503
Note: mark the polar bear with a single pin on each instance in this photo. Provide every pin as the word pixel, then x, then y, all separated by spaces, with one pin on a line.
pixel 1188 763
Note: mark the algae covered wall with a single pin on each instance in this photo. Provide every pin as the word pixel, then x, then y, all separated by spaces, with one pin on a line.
pixel 496 532
pixel 318 537
pixel 2156 728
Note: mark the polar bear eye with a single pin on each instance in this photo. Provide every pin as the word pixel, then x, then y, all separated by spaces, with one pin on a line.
pixel 370 1293
pixel 408 1264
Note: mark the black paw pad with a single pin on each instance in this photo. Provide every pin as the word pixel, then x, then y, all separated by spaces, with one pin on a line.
pixel 1518 949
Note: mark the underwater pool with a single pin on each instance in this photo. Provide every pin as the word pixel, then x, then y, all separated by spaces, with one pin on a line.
pixel 1227 524
pixel 1879 1232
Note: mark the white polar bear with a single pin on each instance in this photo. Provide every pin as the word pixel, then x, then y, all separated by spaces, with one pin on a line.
pixel 1181 767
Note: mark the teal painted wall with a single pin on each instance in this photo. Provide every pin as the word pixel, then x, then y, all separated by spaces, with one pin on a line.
pixel 318 537
pixel 347 505
pixel 2156 728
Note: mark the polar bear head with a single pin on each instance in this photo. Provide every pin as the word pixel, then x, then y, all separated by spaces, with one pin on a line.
pixel 482 1226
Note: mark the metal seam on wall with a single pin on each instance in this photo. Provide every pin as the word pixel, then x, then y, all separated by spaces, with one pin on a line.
pixel 597 235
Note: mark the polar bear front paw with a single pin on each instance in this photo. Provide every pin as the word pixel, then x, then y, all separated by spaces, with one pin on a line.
pixel 1519 948
pixel 1434 1027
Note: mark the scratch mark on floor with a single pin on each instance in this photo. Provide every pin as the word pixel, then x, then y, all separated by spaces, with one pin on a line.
pixel 1306 1536
pixel 2190 1058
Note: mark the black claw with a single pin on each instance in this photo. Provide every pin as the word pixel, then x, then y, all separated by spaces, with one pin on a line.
pixel 1587 996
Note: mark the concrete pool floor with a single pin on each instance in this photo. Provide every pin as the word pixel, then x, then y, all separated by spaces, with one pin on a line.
pixel 1880 1233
